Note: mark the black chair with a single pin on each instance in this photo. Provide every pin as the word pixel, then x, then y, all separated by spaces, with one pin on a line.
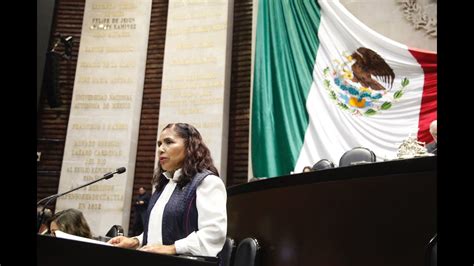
pixel 247 253
pixel 431 256
pixel 322 164
pixel 357 155
pixel 116 230
pixel 227 252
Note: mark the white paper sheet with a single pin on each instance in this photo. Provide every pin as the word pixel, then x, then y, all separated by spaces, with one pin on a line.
pixel 61 234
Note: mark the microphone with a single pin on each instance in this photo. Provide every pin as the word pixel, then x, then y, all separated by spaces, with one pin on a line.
pixel 55 196
pixel 118 171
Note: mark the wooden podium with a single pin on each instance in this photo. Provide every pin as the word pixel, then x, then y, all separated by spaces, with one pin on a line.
pixel 375 214
pixel 52 251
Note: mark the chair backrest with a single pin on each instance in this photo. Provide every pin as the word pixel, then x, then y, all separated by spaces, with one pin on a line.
pixel 247 253
pixel 357 155
pixel 431 257
pixel 227 252
pixel 322 164
pixel 115 230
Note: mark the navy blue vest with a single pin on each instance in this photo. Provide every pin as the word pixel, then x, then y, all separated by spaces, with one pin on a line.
pixel 180 216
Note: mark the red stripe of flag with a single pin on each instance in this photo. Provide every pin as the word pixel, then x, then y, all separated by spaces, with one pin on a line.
pixel 429 102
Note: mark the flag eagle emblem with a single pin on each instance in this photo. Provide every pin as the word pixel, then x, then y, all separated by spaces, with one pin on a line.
pixel 362 83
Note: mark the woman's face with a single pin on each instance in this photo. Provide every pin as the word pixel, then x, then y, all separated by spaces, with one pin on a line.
pixel 171 150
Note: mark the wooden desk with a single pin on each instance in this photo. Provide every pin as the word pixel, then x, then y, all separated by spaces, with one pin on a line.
pixel 52 251
pixel 372 215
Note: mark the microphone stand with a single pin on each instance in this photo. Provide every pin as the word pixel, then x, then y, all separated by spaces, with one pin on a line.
pixel 55 196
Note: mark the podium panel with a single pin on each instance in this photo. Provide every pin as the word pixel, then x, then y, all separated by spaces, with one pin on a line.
pixel 373 214
pixel 52 251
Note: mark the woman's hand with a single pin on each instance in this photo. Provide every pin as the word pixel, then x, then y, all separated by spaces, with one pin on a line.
pixel 124 242
pixel 162 249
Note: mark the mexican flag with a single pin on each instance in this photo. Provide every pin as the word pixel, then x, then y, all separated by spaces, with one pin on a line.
pixel 325 83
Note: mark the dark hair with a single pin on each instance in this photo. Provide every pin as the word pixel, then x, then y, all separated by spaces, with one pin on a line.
pixel 73 222
pixel 198 156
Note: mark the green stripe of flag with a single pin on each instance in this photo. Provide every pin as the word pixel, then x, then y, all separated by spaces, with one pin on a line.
pixel 286 45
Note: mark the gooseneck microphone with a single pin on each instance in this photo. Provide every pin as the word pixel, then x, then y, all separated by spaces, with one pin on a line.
pixel 55 196
pixel 109 175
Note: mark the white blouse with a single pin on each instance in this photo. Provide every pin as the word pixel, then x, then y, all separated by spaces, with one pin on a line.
pixel 211 197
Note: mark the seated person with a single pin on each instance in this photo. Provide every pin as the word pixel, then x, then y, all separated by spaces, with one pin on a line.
pixel 43 221
pixel 432 147
pixel 70 221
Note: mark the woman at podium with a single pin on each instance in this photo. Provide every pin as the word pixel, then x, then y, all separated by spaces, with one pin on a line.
pixel 187 211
